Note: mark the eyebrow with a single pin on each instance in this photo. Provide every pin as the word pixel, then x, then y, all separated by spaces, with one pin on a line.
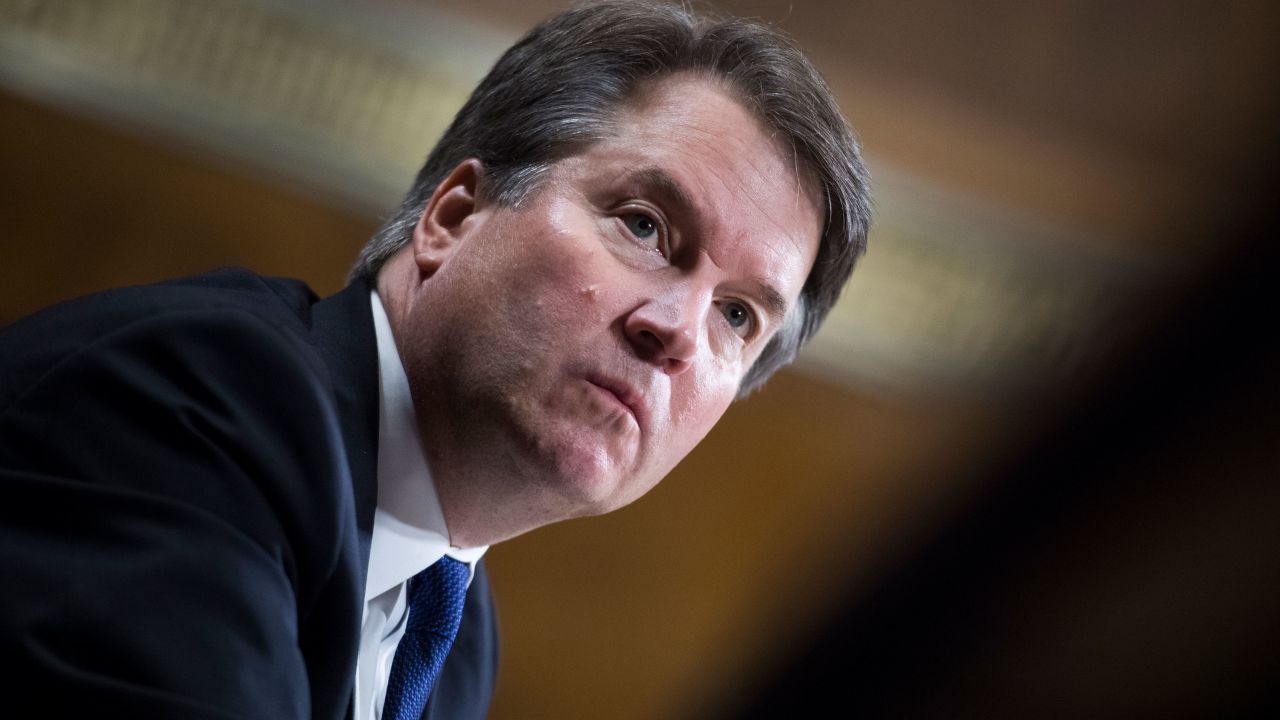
pixel 670 191
pixel 773 301
pixel 660 182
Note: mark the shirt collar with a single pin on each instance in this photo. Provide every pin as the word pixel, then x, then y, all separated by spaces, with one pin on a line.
pixel 409 531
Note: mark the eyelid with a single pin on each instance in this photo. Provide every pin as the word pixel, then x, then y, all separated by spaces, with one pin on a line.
pixel 635 207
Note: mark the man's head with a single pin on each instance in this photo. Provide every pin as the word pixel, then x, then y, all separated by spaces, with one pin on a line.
pixel 558 89
pixel 637 216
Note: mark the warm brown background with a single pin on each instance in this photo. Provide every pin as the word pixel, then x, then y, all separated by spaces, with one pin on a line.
pixel 1146 119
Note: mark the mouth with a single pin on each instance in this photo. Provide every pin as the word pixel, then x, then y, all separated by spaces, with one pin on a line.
pixel 623 394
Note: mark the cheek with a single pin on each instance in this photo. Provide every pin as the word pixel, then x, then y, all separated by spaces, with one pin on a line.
pixel 701 399
pixel 552 284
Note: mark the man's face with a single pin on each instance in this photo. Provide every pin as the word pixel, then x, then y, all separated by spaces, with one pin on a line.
pixel 593 335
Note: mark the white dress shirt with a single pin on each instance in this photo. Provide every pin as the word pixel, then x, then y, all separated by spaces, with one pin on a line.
pixel 409 532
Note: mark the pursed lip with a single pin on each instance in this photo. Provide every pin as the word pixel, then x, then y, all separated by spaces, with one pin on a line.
pixel 625 393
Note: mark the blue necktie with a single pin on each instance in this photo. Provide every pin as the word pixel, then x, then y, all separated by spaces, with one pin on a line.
pixel 435 608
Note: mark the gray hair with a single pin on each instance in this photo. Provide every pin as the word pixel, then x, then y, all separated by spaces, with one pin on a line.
pixel 555 91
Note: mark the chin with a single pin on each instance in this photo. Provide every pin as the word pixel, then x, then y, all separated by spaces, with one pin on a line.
pixel 586 483
pixel 585 471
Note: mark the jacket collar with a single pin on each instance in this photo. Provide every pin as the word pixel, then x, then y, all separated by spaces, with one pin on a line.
pixel 342 329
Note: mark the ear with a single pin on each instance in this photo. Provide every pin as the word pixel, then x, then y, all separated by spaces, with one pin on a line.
pixel 440 228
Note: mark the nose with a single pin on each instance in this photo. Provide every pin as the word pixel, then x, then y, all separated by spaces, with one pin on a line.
pixel 665 329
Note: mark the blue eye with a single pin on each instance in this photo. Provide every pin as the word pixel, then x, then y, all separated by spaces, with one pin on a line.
pixel 737 314
pixel 640 225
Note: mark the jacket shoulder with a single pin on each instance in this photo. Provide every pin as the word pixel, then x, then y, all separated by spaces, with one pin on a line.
pixel 32 346
pixel 178 442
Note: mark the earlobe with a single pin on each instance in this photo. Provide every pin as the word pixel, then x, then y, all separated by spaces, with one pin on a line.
pixel 440 228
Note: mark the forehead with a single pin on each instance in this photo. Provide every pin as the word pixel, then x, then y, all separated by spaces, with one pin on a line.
pixel 688 139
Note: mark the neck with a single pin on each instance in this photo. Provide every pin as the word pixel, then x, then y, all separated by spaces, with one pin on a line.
pixel 485 493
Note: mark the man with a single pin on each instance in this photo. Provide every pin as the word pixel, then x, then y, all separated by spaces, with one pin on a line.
pixel 226 499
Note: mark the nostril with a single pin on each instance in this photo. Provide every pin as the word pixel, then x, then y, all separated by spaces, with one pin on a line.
pixel 650 341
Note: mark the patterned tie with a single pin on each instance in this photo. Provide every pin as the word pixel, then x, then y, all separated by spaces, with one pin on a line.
pixel 435 609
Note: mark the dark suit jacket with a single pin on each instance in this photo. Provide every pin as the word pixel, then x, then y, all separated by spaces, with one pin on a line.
pixel 187 487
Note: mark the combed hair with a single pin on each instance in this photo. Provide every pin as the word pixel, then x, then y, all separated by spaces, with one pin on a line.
pixel 555 92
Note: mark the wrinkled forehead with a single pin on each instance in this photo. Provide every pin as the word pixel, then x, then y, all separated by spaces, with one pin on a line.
pixel 662 96
pixel 665 92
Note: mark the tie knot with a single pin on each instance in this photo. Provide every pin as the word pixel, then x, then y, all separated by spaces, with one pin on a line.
pixel 436 596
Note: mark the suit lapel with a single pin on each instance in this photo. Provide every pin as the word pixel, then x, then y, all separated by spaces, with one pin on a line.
pixel 342 330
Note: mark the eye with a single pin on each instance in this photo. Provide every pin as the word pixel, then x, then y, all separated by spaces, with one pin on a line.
pixel 739 318
pixel 640 225
pixel 637 234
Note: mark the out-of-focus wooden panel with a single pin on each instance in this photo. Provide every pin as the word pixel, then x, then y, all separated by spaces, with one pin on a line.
pixel 85 208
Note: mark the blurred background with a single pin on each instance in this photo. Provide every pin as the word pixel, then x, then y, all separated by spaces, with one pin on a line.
pixel 1029 467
